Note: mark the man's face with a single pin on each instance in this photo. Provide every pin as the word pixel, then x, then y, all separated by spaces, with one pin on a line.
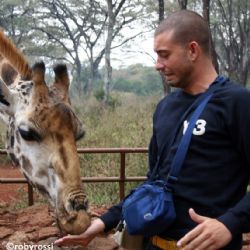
pixel 172 60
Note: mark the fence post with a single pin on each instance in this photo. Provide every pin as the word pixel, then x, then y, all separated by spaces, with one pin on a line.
pixel 30 195
pixel 122 175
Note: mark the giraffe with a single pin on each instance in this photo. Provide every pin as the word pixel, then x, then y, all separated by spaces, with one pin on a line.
pixel 42 131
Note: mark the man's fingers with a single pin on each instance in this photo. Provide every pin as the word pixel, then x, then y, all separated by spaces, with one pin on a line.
pixel 201 242
pixel 196 217
pixel 69 239
pixel 189 237
pixel 205 245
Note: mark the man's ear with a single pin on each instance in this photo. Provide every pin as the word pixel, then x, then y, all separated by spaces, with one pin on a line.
pixel 7 99
pixel 193 50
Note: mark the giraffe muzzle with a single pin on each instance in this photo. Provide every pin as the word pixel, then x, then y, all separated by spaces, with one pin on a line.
pixel 72 216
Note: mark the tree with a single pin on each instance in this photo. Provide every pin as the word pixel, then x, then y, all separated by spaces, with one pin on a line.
pixel 79 27
pixel 166 87
pixel 15 17
pixel 120 15
pixel 161 10
pixel 232 29
pixel 108 68
pixel 68 25
pixel 206 15
pixel 183 4
pixel 137 78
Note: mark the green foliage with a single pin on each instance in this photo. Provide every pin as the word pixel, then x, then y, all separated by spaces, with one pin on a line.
pixel 4 159
pixel 99 94
pixel 113 101
pixel 139 79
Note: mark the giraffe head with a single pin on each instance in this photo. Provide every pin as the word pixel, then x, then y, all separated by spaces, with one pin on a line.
pixel 42 134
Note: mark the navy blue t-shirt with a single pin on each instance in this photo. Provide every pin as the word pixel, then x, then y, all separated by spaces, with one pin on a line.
pixel 216 171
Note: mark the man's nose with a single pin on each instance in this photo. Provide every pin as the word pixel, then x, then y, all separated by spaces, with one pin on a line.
pixel 159 65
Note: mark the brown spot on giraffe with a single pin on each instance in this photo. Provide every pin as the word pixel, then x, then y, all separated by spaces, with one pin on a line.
pixel 8 74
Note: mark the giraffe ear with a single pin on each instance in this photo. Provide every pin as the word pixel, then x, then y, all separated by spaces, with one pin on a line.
pixel 38 73
pixel 61 82
pixel 7 99
pixel 40 89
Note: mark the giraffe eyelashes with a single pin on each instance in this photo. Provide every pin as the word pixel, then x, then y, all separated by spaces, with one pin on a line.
pixel 80 135
pixel 30 135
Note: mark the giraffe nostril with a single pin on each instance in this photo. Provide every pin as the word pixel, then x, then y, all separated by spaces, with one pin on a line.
pixel 76 205
pixel 80 206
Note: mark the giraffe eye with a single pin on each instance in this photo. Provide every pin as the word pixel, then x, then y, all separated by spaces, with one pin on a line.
pixel 80 135
pixel 29 135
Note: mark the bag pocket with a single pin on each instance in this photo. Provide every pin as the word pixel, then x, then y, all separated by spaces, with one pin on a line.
pixel 149 210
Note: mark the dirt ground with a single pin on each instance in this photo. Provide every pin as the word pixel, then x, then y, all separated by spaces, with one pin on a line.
pixel 35 225
pixel 10 193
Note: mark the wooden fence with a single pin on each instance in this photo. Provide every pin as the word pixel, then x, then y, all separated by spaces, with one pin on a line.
pixel 121 179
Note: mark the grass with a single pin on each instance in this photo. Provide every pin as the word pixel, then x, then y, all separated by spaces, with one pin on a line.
pixel 128 125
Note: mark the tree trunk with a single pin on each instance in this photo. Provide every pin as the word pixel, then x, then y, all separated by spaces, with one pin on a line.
pixel 108 67
pixel 183 4
pixel 166 87
pixel 234 35
pixel 206 15
pixel 90 83
pixel 78 78
pixel 161 10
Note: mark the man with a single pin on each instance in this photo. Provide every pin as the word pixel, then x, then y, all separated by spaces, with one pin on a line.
pixel 212 207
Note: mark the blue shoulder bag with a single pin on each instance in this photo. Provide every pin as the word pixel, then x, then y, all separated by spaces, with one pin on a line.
pixel 149 209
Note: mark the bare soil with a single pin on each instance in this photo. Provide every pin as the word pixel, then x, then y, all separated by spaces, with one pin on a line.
pixel 35 224
pixel 10 193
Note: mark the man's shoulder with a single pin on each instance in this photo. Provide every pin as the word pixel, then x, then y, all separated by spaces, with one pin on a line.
pixel 168 103
pixel 169 97
pixel 233 96
pixel 235 90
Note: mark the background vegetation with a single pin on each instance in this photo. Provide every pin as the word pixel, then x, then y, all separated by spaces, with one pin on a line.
pixel 128 125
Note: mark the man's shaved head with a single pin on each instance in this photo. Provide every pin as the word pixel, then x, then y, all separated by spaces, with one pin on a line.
pixel 187 26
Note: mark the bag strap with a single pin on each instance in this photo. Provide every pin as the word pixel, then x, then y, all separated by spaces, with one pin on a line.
pixel 199 105
pixel 182 149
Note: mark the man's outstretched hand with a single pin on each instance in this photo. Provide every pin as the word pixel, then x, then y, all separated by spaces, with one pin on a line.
pixel 209 234
pixel 96 227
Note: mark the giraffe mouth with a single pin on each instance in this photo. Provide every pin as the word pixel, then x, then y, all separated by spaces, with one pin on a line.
pixel 74 223
pixel 72 217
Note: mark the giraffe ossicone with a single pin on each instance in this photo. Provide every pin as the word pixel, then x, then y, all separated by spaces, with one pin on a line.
pixel 42 131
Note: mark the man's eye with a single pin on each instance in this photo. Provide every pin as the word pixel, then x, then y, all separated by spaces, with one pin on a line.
pixel 164 55
pixel 29 135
